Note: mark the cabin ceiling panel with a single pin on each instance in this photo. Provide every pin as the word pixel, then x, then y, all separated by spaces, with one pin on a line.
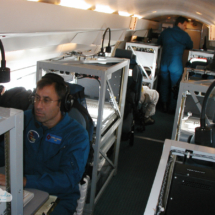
pixel 152 8
pixel 28 17
pixel 23 12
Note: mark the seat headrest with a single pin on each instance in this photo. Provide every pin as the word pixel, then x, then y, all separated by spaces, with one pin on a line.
pixel 122 53
pixel 133 59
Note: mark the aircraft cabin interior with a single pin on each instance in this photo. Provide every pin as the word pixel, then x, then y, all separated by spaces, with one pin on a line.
pixel 109 57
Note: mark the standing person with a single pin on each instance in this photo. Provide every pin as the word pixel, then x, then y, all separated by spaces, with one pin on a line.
pixel 174 41
pixel 56 147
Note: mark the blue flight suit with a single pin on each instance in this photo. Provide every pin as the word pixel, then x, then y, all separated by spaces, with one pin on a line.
pixel 55 159
pixel 174 41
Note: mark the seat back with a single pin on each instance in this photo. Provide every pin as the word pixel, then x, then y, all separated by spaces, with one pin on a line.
pixel 79 110
pixel 17 97
pixel 135 81
pixel 133 94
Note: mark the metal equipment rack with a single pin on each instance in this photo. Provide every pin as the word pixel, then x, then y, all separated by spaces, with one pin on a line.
pixel 11 125
pixel 104 68
pixel 172 149
pixel 147 56
pixel 200 54
pixel 193 88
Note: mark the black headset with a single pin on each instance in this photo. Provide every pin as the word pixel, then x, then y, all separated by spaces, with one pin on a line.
pixel 67 100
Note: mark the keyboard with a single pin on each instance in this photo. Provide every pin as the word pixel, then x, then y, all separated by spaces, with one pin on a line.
pixel 27 196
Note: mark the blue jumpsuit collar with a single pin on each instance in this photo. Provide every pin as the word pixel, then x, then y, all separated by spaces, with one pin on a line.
pixel 60 124
pixel 177 28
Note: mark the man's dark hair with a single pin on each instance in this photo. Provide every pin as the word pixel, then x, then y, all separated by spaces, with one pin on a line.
pixel 181 20
pixel 57 80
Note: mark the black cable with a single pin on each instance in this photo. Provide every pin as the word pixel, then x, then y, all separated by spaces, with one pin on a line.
pixel 3 62
pixel 98 81
pixel 4 71
pixel 86 76
pixel 102 48
pixel 109 35
pixel 205 101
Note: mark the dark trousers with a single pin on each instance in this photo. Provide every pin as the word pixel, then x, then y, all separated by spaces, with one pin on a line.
pixel 171 72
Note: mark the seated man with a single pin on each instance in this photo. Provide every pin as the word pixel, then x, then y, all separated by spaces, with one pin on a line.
pixel 56 147
pixel 148 99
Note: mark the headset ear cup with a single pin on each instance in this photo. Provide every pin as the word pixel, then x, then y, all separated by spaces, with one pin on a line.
pixel 68 101
pixel 31 97
pixel 32 100
pixel 64 107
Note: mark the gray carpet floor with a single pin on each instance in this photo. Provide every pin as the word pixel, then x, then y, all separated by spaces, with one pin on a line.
pixel 128 191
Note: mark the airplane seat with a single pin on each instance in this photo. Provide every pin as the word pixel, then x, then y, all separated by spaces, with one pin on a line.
pixel 137 78
pixel 75 114
pixel 80 113
pixel 132 96
pixel 17 97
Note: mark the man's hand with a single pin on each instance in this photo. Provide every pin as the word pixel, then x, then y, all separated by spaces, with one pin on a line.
pixel 3 181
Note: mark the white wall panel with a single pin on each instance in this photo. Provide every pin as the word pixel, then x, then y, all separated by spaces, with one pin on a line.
pixel 32 31
pixel 146 24
pixel 26 17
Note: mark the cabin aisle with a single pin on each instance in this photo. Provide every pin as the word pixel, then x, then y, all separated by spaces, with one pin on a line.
pixel 128 191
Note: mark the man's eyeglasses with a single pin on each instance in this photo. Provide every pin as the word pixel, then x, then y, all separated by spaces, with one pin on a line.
pixel 45 101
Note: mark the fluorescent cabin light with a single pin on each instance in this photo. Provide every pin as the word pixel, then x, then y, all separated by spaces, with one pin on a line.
pixel 122 13
pixel 75 4
pixel 154 11
pixel 138 16
pixel 198 60
pixel 198 13
pixel 103 8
